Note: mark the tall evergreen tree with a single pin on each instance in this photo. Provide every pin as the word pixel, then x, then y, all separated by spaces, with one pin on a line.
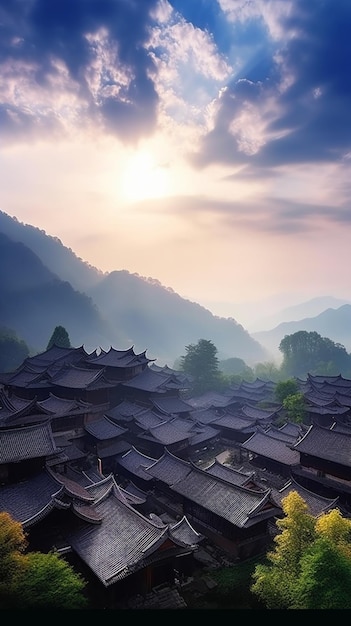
pixel 60 338
pixel 201 362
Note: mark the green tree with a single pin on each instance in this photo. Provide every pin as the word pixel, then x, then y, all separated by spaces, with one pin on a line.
pixel 34 580
pixel 59 338
pixel 47 581
pixel 325 578
pixel 310 566
pixel 201 362
pixel 267 371
pixel 307 352
pixel 285 388
pixel 13 351
pixel 294 406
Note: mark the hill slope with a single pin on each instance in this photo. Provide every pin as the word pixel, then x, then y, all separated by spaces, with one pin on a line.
pixel 119 309
pixel 332 323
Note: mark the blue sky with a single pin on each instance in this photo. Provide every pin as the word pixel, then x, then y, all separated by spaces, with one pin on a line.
pixel 204 143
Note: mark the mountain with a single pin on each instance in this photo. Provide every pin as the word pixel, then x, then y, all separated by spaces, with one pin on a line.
pixel 332 323
pixel 310 308
pixel 33 300
pixel 45 284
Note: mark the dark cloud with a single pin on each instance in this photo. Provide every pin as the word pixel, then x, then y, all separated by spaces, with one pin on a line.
pixel 42 32
pixel 310 119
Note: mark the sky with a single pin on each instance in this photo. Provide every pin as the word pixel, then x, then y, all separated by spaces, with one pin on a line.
pixel 203 143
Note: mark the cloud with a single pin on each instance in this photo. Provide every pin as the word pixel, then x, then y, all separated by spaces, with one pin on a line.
pixel 299 110
pixel 94 49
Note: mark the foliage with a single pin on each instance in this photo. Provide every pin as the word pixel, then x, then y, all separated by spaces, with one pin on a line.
pixel 325 578
pixel 285 388
pixel 201 362
pixel 48 582
pixel 307 352
pixel 310 566
pixel 294 406
pixel 13 351
pixel 233 585
pixel 59 338
pixel 236 367
pixel 267 371
pixel 34 580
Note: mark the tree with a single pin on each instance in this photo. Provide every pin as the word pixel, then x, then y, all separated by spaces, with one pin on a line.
pixel 34 580
pixel 307 352
pixel 310 566
pixel 201 362
pixel 285 388
pixel 60 338
pixel 267 371
pixel 13 351
pixel 294 406
pixel 325 578
pixel 47 581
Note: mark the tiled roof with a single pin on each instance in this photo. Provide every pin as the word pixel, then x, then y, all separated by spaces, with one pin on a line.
pixel 202 433
pixel 334 409
pixel 171 404
pixel 136 463
pixel 231 475
pixel 29 442
pixel 74 377
pixel 316 504
pixel 112 448
pixel 185 533
pixel 266 445
pixel 240 506
pixel 73 488
pixel 131 489
pixel 326 444
pixel 63 406
pixel 30 500
pixel 119 358
pixel 120 544
pixel 125 411
pixel 204 416
pixel 169 432
pixel 210 399
pixel 169 468
pixel 259 414
pixel 182 377
pixel 104 428
pixel 149 380
pixel 236 422
pixel 148 419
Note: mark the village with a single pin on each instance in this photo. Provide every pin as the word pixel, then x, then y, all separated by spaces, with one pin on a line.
pixel 105 458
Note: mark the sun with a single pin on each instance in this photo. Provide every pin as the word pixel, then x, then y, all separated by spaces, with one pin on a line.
pixel 143 178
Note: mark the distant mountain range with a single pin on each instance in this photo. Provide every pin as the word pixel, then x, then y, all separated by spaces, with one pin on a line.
pixel 43 284
pixel 332 323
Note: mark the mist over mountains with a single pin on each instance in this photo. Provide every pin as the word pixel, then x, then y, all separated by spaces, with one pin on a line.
pixel 44 284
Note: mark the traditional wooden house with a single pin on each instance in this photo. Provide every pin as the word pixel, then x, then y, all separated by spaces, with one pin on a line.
pixel 317 505
pixel 231 516
pixel 325 462
pixel 272 449
pixel 105 439
pixel 24 451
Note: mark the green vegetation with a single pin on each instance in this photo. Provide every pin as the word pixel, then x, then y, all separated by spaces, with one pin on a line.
pixel 307 352
pixel 59 338
pixel 34 580
pixel 310 567
pixel 201 362
pixel 13 351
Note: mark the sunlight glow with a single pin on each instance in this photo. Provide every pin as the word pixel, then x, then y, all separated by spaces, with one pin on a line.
pixel 143 178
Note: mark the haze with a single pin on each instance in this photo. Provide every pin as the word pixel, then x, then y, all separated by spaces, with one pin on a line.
pixel 205 144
